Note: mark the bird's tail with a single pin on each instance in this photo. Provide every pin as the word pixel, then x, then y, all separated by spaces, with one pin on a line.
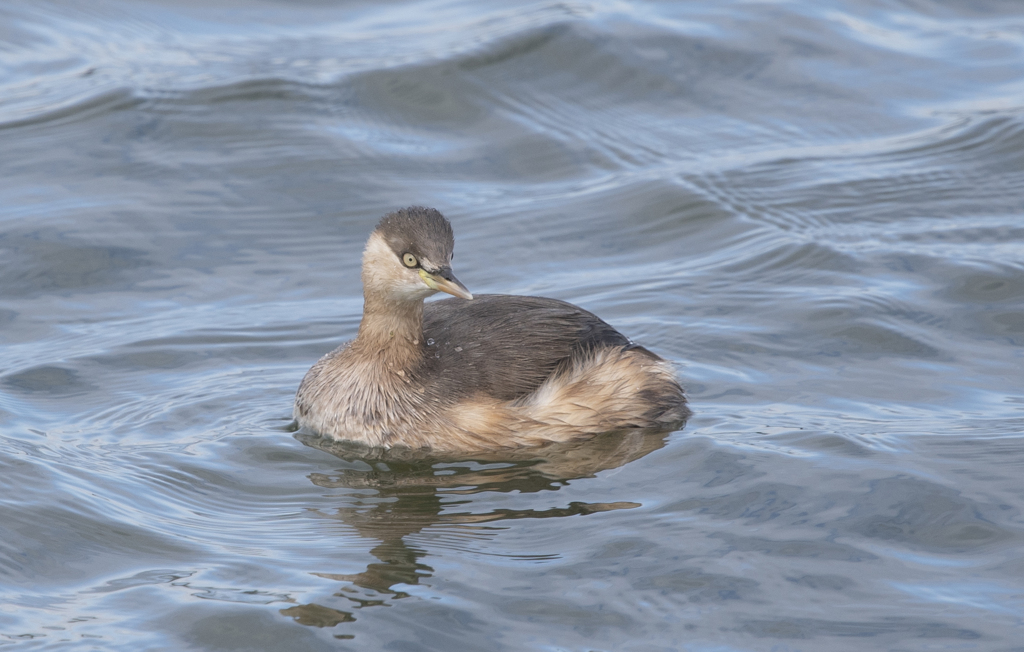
pixel 609 389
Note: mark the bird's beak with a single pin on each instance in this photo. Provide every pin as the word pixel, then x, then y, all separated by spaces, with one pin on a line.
pixel 445 281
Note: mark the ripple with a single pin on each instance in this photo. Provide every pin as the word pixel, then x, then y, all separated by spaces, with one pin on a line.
pixel 37 263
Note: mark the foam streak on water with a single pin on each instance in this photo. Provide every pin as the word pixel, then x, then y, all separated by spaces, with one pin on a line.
pixel 813 208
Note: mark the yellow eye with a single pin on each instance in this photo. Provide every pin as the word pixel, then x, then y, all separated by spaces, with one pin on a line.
pixel 410 260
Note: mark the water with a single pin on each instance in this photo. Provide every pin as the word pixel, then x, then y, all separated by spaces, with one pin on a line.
pixel 814 208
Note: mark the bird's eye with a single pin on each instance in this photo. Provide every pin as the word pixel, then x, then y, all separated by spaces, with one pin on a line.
pixel 410 260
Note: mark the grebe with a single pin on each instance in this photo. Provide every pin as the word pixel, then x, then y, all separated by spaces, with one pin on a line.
pixel 484 373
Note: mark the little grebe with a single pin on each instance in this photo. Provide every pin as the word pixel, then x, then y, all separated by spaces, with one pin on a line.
pixel 482 373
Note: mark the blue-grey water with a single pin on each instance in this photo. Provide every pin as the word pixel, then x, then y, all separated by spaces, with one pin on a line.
pixel 815 209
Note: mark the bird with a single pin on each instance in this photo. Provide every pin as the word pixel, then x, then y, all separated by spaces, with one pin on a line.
pixel 475 373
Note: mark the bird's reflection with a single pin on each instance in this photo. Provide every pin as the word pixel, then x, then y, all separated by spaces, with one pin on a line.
pixel 414 491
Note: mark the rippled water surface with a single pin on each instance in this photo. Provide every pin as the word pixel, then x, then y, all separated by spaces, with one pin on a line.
pixel 815 209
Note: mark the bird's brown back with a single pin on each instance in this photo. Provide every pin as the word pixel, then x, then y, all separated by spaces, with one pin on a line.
pixel 506 346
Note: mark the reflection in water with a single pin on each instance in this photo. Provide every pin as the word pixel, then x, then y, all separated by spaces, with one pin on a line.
pixel 412 490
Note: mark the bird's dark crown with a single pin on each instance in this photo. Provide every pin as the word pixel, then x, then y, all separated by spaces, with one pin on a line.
pixel 423 232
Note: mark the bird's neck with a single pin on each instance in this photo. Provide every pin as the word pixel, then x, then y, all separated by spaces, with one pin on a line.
pixel 391 330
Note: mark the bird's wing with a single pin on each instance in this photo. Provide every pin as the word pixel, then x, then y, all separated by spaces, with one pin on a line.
pixel 506 346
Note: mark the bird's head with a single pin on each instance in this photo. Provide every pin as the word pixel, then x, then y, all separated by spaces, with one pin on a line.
pixel 409 257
